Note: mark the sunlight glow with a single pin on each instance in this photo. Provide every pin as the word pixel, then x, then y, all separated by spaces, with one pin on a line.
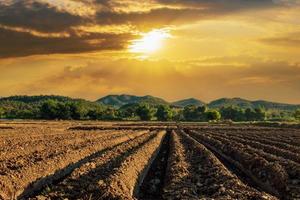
pixel 150 42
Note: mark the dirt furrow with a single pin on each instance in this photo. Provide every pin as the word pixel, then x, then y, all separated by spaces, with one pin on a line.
pixel 269 176
pixel 204 175
pixel 292 169
pixel 265 147
pixel 86 181
pixel 258 138
pixel 14 182
pixel 69 139
pixel 154 181
pixel 125 182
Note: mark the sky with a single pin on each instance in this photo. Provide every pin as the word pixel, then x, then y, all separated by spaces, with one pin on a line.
pixel 174 49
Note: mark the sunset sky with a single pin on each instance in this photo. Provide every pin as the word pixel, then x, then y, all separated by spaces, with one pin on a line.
pixel 173 49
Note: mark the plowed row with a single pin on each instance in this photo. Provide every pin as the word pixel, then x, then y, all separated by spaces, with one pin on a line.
pixel 69 160
pixel 271 169
pixel 26 171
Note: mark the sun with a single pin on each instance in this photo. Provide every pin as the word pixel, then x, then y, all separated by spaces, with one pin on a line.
pixel 150 42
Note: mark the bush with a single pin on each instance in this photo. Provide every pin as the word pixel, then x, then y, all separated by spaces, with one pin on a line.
pixel 297 114
pixel 164 113
pixel 144 112
pixel 213 115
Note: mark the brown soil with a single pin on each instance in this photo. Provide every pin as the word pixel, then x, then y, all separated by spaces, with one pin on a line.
pixel 137 160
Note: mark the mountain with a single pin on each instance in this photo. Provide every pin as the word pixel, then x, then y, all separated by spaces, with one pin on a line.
pixel 188 102
pixel 225 102
pixel 121 100
pixel 272 105
pixel 243 103
pixel 118 101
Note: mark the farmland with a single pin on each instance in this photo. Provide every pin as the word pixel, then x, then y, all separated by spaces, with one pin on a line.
pixel 139 160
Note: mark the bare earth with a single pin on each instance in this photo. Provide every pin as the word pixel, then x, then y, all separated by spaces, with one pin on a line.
pixel 139 160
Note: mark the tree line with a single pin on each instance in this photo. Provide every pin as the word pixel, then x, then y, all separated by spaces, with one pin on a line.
pixel 82 110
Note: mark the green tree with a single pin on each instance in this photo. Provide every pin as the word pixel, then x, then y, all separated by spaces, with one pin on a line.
pixel 77 110
pixel 232 113
pixel 201 109
pixel 297 114
pixel 193 113
pixel 49 109
pixel 260 114
pixel 2 113
pixel 164 113
pixel 144 112
pixel 250 114
pixel 110 114
pixel 213 115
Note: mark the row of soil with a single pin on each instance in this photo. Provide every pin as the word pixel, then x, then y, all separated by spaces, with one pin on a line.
pixel 258 145
pixel 292 168
pixel 264 132
pixel 114 174
pixel 19 163
pixel 195 173
pixel 28 148
pixel 26 135
pixel 275 137
pixel 52 164
pixel 268 175
pixel 24 131
pixel 261 140
pixel 152 186
pixel 151 128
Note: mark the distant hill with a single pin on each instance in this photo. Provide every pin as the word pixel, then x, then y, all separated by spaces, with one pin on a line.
pixel 35 99
pixel 121 100
pixel 118 101
pixel 243 103
pixel 188 102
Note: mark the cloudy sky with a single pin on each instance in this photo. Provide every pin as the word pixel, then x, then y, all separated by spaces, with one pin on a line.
pixel 174 49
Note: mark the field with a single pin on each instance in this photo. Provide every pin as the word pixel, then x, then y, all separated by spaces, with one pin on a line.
pixel 104 160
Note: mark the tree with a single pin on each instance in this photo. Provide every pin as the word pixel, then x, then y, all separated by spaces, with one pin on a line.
pixel 260 114
pixel 250 114
pixel 213 115
pixel 232 113
pixel 201 109
pixel 144 112
pixel 164 113
pixel 77 110
pixel 297 114
pixel 193 113
pixel 1 113
pixel 110 114
pixel 49 109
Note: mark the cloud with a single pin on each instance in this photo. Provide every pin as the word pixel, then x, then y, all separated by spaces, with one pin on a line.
pixel 291 40
pixel 170 79
pixel 37 16
pixel 28 27
pixel 15 44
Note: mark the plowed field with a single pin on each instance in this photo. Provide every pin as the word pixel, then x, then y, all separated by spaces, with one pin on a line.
pixel 95 160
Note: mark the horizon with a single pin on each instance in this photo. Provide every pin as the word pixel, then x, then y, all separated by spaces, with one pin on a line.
pixel 167 100
pixel 170 49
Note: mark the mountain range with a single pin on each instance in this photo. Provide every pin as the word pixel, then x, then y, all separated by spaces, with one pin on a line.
pixel 118 101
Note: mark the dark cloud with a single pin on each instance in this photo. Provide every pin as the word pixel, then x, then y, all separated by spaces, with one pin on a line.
pixel 188 10
pixel 15 44
pixel 37 16
pixel 34 15
pixel 223 3
pixel 156 17
pixel 290 40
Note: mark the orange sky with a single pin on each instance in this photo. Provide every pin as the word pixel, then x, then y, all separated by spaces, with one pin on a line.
pixel 205 49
